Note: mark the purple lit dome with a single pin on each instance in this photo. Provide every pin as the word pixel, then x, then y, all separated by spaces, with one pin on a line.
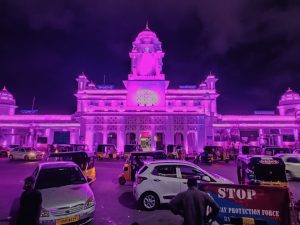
pixel 147 41
pixel 6 98
pixel 289 97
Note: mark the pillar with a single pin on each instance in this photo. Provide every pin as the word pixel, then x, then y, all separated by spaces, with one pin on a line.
pixel 296 134
pixel 89 137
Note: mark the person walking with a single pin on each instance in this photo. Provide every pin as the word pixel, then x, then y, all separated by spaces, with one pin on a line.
pixel 192 205
pixel 30 204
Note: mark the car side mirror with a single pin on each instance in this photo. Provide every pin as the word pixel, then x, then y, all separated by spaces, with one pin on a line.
pixel 205 178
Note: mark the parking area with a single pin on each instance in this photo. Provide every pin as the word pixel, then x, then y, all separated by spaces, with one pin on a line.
pixel 115 203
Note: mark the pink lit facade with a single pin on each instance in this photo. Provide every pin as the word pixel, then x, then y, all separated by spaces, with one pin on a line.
pixel 147 112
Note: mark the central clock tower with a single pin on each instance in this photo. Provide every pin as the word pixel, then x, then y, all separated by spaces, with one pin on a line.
pixel 146 84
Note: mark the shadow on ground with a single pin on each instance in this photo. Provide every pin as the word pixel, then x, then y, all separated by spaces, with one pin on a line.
pixel 127 200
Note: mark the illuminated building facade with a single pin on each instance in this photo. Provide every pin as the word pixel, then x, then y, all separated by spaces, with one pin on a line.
pixel 147 112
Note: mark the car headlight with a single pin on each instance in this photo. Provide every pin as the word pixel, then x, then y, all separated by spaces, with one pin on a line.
pixel 31 154
pixel 45 213
pixel 90 202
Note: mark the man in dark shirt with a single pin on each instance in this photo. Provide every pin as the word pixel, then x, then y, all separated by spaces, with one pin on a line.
pixel 192 205
pixel 30 204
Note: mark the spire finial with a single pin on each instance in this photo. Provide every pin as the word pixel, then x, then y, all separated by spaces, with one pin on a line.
pixel 147 25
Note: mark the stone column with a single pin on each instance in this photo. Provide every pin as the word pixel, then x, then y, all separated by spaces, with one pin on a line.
pixel 89 137
pixel 296 134
pixel 13 137
pixel 153 133
pixel 120 139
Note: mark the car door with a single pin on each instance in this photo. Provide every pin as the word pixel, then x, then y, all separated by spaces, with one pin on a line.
pixel 21 153
pixel 18 153
pixel 165 181
pixel 186 172
pixel 14 153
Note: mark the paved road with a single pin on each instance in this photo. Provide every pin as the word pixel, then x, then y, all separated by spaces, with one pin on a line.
pixel 115 203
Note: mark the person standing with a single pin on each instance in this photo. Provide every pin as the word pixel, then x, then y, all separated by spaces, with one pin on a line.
pixel 192 205
pixel 30 204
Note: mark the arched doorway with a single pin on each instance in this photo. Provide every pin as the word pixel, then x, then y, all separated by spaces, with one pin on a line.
pixel 130 138
pixel 178 139
pixel 191 142
pixel 160 141
pixel 98 139
pixel 112 138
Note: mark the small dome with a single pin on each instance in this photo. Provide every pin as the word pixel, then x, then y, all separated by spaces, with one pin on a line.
pixel 289 97
pixel 6 98
pixel 147 38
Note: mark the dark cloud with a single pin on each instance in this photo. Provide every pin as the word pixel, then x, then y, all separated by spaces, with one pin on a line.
pixel 253 46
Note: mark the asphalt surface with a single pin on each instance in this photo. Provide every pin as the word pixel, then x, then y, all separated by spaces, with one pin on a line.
pixel 115 203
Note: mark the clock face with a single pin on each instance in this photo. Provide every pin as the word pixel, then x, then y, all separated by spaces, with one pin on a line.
pixel 146 98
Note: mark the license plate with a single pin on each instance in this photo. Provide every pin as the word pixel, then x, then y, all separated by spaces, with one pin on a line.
pixel 67 220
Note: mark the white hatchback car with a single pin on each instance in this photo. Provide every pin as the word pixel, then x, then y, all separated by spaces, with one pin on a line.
pixel 159 181
pixel 67 196
pixel 292 165
pixel 26 153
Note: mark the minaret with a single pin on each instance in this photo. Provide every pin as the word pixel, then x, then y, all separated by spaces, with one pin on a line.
pixel 82 82
pixel 7 102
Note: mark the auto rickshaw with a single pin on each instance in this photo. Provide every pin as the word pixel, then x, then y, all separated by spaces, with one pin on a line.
pixel 261 170
pixel 175 152
pixel 250 150
pixel 131 148
pixel 135 162
pixel 212 154
pixel 85 160
pixel 106 151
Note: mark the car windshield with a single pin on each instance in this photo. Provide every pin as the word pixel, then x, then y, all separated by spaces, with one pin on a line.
pixel 57 177
pixel 79 159
pixel 270 173
pixel 29 149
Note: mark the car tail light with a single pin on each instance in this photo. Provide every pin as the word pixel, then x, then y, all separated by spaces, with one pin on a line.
pixel 140 179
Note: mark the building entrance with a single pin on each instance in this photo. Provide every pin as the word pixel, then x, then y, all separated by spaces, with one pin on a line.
pixel 145 140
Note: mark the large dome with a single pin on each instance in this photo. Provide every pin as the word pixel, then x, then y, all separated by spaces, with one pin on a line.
pixel 289 97
pixel 6 98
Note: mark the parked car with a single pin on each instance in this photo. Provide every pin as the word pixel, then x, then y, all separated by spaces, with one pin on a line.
pixel 5 151
pixel 26 153
pixel 159 181
pixel 292 165
pixel 296 151
pixel 67 196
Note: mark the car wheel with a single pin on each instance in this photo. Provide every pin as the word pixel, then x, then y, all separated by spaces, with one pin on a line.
pixel 289 175
pixel 122 180
pixel 26 158
pixel 11 157
pixel 149 201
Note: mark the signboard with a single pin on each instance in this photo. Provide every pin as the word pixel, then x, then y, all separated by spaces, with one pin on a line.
pixel 29 111
pixel 105 87
pixel 268 205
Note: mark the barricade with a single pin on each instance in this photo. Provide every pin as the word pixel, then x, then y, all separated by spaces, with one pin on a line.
pixel 250 205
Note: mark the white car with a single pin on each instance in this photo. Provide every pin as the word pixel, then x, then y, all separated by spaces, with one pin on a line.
pixel 26 153
pixel 292 165
pixel 159 181
pixel 67 196
pixel 296 151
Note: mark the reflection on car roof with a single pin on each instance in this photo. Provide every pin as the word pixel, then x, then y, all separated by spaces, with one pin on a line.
pixel 47 165
pixel 171 162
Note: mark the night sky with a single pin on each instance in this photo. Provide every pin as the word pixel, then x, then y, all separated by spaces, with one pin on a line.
pixel 252 46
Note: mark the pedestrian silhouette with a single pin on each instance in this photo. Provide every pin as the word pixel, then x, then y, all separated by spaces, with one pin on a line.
pixel 192 205
pixel 30 204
